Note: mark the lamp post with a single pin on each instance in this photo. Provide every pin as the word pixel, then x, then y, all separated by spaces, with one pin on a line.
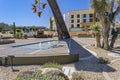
pixel 11 61
pixel 14 29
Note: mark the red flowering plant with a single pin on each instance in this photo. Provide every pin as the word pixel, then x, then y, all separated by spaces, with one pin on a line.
pixel 38 7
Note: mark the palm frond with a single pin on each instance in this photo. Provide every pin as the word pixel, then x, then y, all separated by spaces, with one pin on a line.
pixel 95 28
pixel 118 2
pixel 99 5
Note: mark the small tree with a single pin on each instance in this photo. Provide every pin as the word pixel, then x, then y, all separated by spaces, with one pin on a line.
pixel 47 29
pixel 34 28
pixel 18 34
pixel 18 30
pixel 3 31
pixel 95 28
pixel 106 10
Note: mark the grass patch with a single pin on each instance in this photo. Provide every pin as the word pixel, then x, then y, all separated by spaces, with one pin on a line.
pixel 52 65
pixel 40 77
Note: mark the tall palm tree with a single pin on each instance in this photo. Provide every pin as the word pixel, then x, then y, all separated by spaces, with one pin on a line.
pixel 107 14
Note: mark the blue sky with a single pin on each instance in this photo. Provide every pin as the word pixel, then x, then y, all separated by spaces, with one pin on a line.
pixel 20 11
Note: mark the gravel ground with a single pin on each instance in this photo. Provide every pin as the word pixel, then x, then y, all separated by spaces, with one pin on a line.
pixel 115 75
pixel 91 68
pixel 112 69
pixel 7 74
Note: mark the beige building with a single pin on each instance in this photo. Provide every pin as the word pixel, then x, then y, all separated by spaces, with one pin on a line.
pixel 76 21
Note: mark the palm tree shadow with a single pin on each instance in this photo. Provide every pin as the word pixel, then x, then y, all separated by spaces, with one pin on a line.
pixel 87 61
pixel 116 50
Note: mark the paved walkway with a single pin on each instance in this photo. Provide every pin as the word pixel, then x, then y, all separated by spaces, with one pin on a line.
pixel 113 75
pixel 76 48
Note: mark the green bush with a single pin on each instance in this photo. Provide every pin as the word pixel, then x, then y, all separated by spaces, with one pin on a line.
pixel 11 32
pixel 19 35
pixel 52 65
pixel 95 28
pixel 18 30
pixel 103 60
pixel 3 31
pixel 40 77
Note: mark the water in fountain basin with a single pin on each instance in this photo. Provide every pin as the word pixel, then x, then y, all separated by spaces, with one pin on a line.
pixel 39 46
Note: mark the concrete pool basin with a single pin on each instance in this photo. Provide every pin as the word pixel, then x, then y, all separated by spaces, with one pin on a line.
pixel 23 56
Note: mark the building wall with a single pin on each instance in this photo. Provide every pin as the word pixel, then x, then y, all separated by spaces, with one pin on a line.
pixel 80 20
pixel 76 21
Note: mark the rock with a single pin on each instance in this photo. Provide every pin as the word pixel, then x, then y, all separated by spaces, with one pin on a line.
pixel 29 72
pixel 53 71
pixel 48 71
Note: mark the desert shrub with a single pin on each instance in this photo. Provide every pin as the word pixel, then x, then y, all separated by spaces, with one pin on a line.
pixel 19 35
pixel 3 31
pixel 40 77
pixel 52 65
pixel 18 30
pixel 79 76
pixel 103 60
pixel 11 31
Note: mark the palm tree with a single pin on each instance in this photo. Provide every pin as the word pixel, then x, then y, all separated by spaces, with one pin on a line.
pixel 106 14
pixel 95 28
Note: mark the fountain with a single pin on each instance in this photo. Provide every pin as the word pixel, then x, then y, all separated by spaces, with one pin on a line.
pixel 43 52
pixel 1 38
pixel 47 44
pixel 40 44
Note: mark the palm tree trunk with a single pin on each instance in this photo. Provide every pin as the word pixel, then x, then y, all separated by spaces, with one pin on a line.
pixel 106 28
pixel 59 19
pixel 106 36
pixel 60 37
pixel 98 40
pixel 113 39
pixel 106 43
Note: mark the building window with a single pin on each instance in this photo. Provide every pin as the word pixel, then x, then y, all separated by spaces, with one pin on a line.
pixel 72 21
pixel 78 25
pixel 84 15
pixel 90 20
pixel 78 15
pixel 84 20
pixel 72 25
pixel 78 20
pixel 72 16
pixel 90 15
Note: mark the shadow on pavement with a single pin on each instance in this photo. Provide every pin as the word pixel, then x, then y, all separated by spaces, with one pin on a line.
pixel 91 64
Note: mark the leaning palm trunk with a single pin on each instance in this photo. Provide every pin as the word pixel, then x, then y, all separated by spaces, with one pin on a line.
pixel 62 29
